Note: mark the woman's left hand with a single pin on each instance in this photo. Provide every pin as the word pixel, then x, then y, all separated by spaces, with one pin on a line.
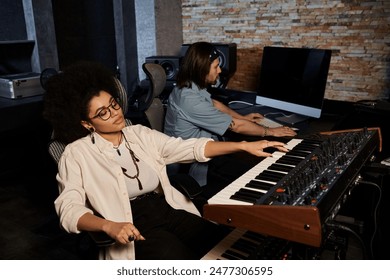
pixel 254 117
pixel 281 131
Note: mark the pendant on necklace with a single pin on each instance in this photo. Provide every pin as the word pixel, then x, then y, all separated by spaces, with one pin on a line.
pixel 124 170
pixel 117 147
pixel 139 184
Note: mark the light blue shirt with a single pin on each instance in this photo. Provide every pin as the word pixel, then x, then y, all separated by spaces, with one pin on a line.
pixel 191 114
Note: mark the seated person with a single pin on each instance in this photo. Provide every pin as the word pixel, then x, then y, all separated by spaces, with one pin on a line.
pixel 112 177
pixel 192 113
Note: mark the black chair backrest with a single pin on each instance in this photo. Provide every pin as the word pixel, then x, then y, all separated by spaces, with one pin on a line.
pixel 154 110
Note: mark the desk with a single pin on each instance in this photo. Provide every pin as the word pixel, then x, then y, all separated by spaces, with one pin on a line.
pixel 333 112
pixel 336 115
pixel 24 137
pixel 17 113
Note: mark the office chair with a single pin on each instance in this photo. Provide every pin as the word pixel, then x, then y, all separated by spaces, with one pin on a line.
pixel 184 183
pixel 155 114
pixel 154 109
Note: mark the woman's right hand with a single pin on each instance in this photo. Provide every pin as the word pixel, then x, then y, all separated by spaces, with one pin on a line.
pixel 123 233
pixel 281 131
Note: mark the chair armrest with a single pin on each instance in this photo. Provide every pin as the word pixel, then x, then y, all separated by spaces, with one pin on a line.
pixel 185 184
pixel 182 182
pixel 101 239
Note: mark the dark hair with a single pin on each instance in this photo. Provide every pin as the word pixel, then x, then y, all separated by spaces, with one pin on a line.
pixel 196 65
pixel 68 94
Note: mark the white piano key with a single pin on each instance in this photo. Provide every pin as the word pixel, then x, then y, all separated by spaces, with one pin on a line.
pixel 292 143
pixel 223 245
pixel 227 243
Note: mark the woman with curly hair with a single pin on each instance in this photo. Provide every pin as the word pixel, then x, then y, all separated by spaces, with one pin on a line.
pixel 112 177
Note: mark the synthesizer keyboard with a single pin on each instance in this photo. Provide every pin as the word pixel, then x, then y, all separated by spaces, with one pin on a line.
pixel 291 195
pixel 241 244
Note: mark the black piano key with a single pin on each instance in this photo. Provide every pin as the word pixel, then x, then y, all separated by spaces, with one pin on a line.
pixel 270 176
pixel 248 192
pixel 298 153
pixel 243 197
pixel 254 236
pixel 232 255
pixel 266 178
pixel 245 246
pixel 289 160
pixel 315 142
pixel 259 185
pixel 273 173
pixel 305 147
pixel 251 245
pixel 281 167
pixel 251 195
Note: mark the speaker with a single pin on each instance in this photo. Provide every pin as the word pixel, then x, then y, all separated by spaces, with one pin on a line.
pixel 227 57
pixel 171 65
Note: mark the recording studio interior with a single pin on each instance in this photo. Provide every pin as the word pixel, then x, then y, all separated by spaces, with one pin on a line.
pixel 321 67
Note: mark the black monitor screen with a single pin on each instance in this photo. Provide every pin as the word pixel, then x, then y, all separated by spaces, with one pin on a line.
pixel 294 79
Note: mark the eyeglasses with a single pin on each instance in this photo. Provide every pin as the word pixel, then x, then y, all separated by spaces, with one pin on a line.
pixel 105 112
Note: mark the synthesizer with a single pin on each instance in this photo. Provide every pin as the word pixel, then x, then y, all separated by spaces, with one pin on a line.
pixel 241 244
pixel 292 195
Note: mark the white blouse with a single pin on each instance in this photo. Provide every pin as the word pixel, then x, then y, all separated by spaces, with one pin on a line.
pixel 91 180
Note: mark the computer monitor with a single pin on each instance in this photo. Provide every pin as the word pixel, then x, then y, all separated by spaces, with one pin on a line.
pixel 293 80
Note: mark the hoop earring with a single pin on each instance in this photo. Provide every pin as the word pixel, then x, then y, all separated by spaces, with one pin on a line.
pixel 92 130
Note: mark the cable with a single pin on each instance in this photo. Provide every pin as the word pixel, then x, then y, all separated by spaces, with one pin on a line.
pixel 275 113
pixel 375 209
pixel 348 229
pixel 244 102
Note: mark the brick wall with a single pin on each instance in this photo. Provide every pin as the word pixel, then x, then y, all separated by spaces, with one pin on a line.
pixel 357 31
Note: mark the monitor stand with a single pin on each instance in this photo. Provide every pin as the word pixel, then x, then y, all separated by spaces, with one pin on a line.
pixel 292 119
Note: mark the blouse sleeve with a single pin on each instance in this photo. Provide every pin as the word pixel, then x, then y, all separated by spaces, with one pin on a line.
pixel 70 205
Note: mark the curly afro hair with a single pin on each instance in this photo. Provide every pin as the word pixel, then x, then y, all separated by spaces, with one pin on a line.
pixel 68 95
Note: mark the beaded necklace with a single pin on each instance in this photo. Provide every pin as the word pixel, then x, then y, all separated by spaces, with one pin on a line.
pixel 135 160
